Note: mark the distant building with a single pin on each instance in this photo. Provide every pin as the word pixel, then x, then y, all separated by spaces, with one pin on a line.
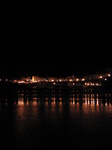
pixel 87 80
pixel 36 79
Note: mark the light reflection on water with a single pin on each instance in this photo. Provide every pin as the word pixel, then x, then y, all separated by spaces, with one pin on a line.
pixel 54 121
pixel 74 99
pixel 87 103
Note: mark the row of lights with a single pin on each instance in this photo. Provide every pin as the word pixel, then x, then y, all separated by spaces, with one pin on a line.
pixel 6 80
pixel 58 80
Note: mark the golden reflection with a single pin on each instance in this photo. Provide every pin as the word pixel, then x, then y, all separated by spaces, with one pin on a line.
pixel 77 103
pixel 110 104
pixel 97 99
pixel 53 98
pixel 25 111
pixel 59 106
pixel 92 97
pixel 92 102
pixel 27 102
pixel 60 103
pixel 21 102
pixel 71 98
pixel 46 103
pixel 35 99
pixel 73 102
pixel 53 107
pixel 47 98
pixel 90 106
pixel 60 98
pixel 97 102
pixel 85 102
pixel 21 109
pixel 54 103
pixel 77 96
pixel 88 101
pixel 34 103
pixel 106 104
pixel 88 97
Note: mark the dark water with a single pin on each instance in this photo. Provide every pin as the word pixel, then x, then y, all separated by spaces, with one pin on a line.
pixel 75 122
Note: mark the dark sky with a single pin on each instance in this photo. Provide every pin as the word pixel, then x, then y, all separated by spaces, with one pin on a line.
pixel 53 41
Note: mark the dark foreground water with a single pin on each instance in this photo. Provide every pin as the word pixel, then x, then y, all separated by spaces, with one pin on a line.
pixel 59 123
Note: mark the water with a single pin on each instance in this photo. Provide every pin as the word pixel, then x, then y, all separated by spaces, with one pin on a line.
pixel 75 122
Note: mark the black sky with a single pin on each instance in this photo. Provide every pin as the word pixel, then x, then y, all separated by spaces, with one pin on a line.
pixel 53 41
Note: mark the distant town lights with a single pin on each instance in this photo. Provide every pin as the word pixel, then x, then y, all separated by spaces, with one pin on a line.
pixel 83 79
pixel 70 80
pixel 77 79
pixel 101 77
pixel 89 80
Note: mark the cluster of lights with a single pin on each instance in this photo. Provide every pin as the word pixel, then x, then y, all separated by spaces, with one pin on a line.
pixel 92 84
pixel 86 81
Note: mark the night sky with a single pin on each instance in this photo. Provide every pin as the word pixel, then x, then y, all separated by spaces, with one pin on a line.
pixel 53 41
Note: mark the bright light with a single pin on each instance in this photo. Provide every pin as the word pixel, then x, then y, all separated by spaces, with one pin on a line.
pixel 83 79
pixel 20 81
pixel 33 79
pixel 70 80
pixel 77 79
pixel 101 77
